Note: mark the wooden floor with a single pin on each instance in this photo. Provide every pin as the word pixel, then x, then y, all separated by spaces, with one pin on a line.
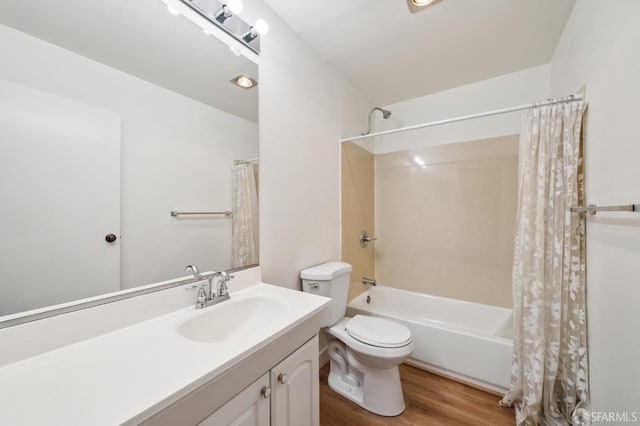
pixel 430 400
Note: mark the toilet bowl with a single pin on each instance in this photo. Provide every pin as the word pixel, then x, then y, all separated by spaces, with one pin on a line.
pixel 371 379
pixel 364 351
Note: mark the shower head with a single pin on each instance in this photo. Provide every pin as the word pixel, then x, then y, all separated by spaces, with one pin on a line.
pixel 385 114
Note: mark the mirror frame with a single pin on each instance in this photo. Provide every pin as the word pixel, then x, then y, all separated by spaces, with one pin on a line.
pixel 90 302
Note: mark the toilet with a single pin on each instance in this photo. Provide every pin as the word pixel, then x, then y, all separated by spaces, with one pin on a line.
pixel 364 351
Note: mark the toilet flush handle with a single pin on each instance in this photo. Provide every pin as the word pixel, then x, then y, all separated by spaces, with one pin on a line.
pixel 314 285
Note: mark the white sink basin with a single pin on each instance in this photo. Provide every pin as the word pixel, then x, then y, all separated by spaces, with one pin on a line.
pixel 231 318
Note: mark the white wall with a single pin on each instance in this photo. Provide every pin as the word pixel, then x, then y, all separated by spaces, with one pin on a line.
pixel 305 106
pixel 600 49
pixel 518 88
pixel 176 155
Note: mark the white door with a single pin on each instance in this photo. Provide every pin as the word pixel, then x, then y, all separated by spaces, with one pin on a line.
pixel 249 408
pixel 60 197
pixel 296 388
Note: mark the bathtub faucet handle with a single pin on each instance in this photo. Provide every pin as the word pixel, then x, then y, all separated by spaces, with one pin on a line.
pixel 369 281
pixel 365 239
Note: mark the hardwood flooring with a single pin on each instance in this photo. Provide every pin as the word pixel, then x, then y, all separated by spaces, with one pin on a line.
pixel 430 400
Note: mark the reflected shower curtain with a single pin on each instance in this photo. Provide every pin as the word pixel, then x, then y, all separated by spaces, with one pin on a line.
pixel 550 382
pixel 244 240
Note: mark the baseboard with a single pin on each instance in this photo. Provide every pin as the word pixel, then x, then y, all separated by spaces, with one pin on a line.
pixel 460 378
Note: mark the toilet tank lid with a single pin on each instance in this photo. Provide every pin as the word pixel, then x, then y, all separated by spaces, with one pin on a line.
pixel 326 271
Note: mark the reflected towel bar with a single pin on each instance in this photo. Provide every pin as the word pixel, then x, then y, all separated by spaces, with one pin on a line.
pixel 249 161
pixel 592 209
pixel 175 213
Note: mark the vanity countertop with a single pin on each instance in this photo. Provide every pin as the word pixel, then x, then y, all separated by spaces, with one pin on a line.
pixel 138 370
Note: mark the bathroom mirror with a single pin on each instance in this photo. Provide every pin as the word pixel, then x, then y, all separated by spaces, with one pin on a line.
pixel 113 115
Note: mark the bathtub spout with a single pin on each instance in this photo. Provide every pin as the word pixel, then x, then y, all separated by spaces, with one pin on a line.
pixel 369 281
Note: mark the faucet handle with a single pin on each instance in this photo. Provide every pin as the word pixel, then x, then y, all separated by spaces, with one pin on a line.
pixel 224 291
pixel 202 293
pixel 224 278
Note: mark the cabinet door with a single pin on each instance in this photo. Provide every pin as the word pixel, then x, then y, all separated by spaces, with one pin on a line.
pixel 296 392
pixel 249 408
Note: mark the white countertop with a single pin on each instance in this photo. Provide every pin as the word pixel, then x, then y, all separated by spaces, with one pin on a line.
pixel 114 377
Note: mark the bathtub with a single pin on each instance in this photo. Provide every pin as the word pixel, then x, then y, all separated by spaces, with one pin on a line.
pixel 467 341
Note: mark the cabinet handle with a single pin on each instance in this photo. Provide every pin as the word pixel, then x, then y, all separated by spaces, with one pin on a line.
pixel 283 378
pixel 266 392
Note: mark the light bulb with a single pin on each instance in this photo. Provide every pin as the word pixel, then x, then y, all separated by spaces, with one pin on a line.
pixel 244 82
pixel 261 27
pixel 235 6
pixel 173 11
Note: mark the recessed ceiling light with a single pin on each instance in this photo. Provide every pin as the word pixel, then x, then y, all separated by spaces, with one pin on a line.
pixel 244 81
pixel 418 5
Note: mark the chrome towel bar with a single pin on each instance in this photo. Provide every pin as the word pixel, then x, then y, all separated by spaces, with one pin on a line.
pixel 592 209
pixel 175 213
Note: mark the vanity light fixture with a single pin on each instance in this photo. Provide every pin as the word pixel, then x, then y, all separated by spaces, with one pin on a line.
pixel 418 5
pixel 233 7
pixel 224 15
pixel 260 28
pixel 244 81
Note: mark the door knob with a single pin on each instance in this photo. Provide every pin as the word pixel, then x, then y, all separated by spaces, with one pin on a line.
pixel 110 238
pixel 283 378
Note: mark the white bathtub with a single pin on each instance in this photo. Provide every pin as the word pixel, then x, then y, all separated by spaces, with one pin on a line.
pixel 468 341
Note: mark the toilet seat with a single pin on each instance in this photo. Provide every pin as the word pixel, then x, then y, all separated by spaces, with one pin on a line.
pixel 379 332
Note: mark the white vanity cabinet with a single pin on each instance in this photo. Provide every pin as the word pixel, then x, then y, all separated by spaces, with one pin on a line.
pixel 251 407
pixel 287 395
pixel 296 388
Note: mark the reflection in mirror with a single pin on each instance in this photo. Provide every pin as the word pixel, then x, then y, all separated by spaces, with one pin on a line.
pixel 113 115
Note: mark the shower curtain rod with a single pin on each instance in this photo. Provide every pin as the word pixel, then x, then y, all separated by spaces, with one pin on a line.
pixel 576 97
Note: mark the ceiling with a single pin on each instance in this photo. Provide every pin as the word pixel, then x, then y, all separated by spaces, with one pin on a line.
pixel 141 38
pixel 392 55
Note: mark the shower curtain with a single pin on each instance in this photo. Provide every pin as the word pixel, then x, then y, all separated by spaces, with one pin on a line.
pixel 549 381
pixel 244 241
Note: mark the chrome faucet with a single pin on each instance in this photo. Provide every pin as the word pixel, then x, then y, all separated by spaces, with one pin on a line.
pixel 369 281
pixel 222 292
pixel 217 284
pixel 194 270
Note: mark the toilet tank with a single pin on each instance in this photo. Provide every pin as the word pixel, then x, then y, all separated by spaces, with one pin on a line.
pixel 331 280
